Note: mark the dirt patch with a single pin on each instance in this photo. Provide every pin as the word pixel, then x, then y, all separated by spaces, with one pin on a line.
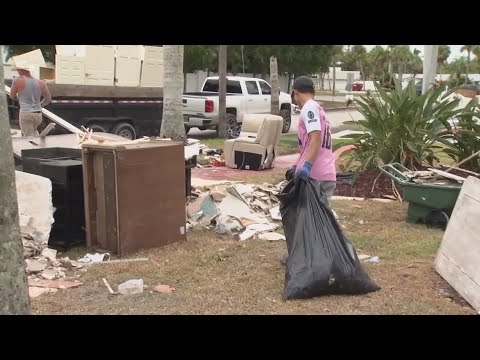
pixel 217 275
pixel 368 184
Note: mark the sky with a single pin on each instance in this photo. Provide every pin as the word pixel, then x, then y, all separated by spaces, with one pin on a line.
pixel 454 50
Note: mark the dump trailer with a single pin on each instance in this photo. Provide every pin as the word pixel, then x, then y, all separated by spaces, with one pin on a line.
pixel 131 112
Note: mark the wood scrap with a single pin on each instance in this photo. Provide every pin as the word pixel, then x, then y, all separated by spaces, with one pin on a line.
pixel 108 286
pixel 448 175
pixel 119 261
pixel 54 284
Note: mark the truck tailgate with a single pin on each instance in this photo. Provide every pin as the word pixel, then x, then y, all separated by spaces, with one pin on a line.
pixel 194 103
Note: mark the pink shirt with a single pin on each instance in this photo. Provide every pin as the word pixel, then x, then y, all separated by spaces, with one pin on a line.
pixel 312 118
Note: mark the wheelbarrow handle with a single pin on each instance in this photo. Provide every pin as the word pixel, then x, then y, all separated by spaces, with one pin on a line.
pixel 393 172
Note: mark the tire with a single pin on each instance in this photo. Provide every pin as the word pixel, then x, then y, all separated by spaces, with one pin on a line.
pixel 287 120
pixel 125 130
pixel 97 128
pixel 187 130
pixel 233 127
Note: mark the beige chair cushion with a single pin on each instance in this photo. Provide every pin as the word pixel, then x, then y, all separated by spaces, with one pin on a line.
pixel 260 134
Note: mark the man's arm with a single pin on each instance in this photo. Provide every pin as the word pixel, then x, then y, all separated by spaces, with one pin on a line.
pixel 47 97
pixel 314 130
pixel 14 90
pixel 313 146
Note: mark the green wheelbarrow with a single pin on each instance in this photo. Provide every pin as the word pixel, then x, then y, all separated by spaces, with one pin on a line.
pixel 430 204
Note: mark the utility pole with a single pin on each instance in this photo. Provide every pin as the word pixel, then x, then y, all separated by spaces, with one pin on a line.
pixel 429 66
pixel 222 91
pixel 275 91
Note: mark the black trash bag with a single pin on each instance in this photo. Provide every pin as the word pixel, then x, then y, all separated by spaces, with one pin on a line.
pixel 321 260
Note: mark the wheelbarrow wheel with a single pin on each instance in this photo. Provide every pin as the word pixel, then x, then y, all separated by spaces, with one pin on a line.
pixel 437 219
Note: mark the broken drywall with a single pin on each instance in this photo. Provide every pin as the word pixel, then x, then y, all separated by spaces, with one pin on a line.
pixel 459 254
pixel 35 207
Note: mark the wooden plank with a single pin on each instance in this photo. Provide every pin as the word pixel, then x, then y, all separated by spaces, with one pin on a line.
pixel 100 216
pixel 89 199
pixel 110 202
pixel 448 175
pixel 459 254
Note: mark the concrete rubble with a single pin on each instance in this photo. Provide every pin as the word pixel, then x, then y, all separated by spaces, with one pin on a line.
pixel 46 273
pixel 243 211
pixel 131 287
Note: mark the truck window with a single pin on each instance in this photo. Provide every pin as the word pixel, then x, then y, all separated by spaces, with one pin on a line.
pixel 266 89
pixel 252 87
pixel 233 87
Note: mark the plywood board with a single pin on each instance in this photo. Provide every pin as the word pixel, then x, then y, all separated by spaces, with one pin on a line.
pixel 69 70
pixel 127 71
pixel 71 50
pixel 34 57
pixel 152 69
pixel 99 65
pixel 459 254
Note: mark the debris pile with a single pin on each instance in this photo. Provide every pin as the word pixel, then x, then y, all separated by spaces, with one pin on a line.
pixel 45 272
pixel 210 157
pixel 243 211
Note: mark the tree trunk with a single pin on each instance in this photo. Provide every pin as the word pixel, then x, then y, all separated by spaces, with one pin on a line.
pixel 322 81
pixel 289 85
pixel 172 122
pixel 184 83
pixel 400 74
pixel 222 91
pixel 275 93
pixel 467 68
pixel 334 80
pixel 363 75
pixel 14 299
pixel 429 66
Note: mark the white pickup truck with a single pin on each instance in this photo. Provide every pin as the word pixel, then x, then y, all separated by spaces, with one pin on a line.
pixel 244 96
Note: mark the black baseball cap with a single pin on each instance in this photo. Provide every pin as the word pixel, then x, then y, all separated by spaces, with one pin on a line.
pixel 304 84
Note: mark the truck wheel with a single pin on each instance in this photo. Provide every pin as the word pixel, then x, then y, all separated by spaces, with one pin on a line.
pixel 96 128
pixel 233 127
pixel 287 120
pixel 125 130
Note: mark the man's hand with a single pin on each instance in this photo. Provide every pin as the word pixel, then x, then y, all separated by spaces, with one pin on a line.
pixel 290 174
pixel 304 172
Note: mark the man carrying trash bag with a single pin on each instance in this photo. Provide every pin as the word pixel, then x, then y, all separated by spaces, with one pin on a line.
pixel 320 260
pixel 316 159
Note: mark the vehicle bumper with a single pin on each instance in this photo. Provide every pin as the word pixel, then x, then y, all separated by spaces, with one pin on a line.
pixel 197 121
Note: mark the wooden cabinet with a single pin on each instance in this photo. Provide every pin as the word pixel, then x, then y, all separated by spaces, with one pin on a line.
pixel 134 195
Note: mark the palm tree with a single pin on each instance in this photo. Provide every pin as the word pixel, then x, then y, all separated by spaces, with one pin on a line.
pixel 378 58
pixel 360 52
pixel 469 49
pixel 443 55
pixel 14 298
pixel 172 122
pixel 401 55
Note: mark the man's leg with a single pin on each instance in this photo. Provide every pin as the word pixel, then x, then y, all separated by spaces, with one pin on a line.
pixel 328 188
pixel 27 124
pixel 37 122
